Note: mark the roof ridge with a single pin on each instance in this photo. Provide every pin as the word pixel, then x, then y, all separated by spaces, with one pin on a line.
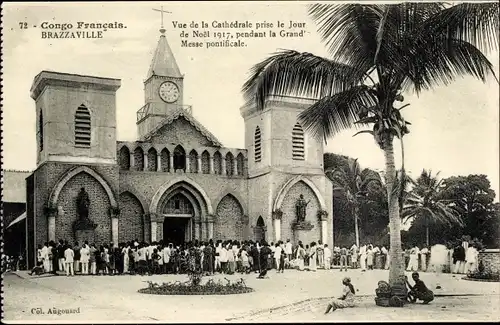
pixel 191 119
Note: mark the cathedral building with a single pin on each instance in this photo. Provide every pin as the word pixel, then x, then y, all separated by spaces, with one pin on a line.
pixel 177 182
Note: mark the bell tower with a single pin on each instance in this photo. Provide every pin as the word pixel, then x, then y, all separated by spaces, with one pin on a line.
pixel 163 87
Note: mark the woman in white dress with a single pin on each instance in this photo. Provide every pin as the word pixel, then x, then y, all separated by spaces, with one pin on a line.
pixel 125 258
pixel 300 257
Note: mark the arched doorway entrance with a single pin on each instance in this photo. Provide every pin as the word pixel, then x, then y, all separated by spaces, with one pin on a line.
pixel 178 212
pixel 260 230
pixel 186 200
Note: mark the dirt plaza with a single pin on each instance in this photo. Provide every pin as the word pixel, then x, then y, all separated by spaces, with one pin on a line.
pixel 291 297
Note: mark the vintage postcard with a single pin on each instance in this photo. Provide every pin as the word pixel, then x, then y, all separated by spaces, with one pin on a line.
pixel 250 161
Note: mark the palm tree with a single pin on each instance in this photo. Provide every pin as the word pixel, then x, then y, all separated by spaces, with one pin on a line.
pixel 352 182
pixel 425 201
pixel 402 188
pixel 378 52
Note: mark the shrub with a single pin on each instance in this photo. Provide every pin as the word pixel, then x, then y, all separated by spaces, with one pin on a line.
pixel 188 288
pixel 193 286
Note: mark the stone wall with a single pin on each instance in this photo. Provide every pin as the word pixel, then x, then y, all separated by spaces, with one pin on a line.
pixel 491 260
pixel 130 224
pixel 144 185
pixel 98 209
pixel 48 175
pixel 228 219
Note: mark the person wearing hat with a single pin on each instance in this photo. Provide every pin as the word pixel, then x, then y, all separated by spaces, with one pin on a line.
pixel 347 298
pixel 419 290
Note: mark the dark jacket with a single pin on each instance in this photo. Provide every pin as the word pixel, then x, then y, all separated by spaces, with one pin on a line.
pixel 458 254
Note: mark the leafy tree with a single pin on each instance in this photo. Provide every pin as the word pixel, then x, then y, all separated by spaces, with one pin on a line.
pixel 379 52
pixel 425 202
pixel 473 197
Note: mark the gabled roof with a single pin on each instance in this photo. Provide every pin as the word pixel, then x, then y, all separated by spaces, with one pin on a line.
pixel 163 63
pixel 176 114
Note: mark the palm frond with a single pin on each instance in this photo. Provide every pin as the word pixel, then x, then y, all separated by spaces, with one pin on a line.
pixel 349 31
pixel 297 74
pixel 337 112
pixel 439 61
pixel 474 23
pixel 401 23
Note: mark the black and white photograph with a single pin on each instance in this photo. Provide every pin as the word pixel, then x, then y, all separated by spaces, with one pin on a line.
pixel 250 161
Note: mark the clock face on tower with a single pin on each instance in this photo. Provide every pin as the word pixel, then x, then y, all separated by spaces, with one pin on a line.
pixel 169 92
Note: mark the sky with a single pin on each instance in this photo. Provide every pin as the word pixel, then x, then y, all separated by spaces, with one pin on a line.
pixel 455 128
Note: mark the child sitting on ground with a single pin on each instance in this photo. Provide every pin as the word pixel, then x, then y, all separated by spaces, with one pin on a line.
pixel 419 290
pixel 346 300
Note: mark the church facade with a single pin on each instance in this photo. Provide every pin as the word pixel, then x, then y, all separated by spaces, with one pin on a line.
pixel 177 182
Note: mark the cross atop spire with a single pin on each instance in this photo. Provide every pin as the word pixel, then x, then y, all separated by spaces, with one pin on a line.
pixel 162 29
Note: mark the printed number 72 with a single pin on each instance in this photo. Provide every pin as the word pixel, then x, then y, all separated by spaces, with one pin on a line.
pixel 23 25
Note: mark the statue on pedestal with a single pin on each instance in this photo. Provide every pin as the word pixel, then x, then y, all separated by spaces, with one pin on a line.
pixel 82 204
pixel 82 208
pixel 300 208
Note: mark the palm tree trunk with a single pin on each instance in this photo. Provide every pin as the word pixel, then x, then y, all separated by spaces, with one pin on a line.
pixel 356 227
pixel 403 177
pixel 427 230
pixel 396 272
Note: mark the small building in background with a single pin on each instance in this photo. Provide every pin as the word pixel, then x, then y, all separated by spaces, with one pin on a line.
pixel 14 211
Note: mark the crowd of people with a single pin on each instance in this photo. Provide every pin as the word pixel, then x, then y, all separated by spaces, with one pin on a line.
pixel 231 256
pixel 136 257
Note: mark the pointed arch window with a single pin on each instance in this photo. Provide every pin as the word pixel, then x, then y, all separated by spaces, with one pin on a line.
pixel 82 127
pixel 298 147
pixel 258 144
pixel 40 130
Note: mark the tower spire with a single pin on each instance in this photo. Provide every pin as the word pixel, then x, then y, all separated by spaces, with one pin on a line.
pixel 163 63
